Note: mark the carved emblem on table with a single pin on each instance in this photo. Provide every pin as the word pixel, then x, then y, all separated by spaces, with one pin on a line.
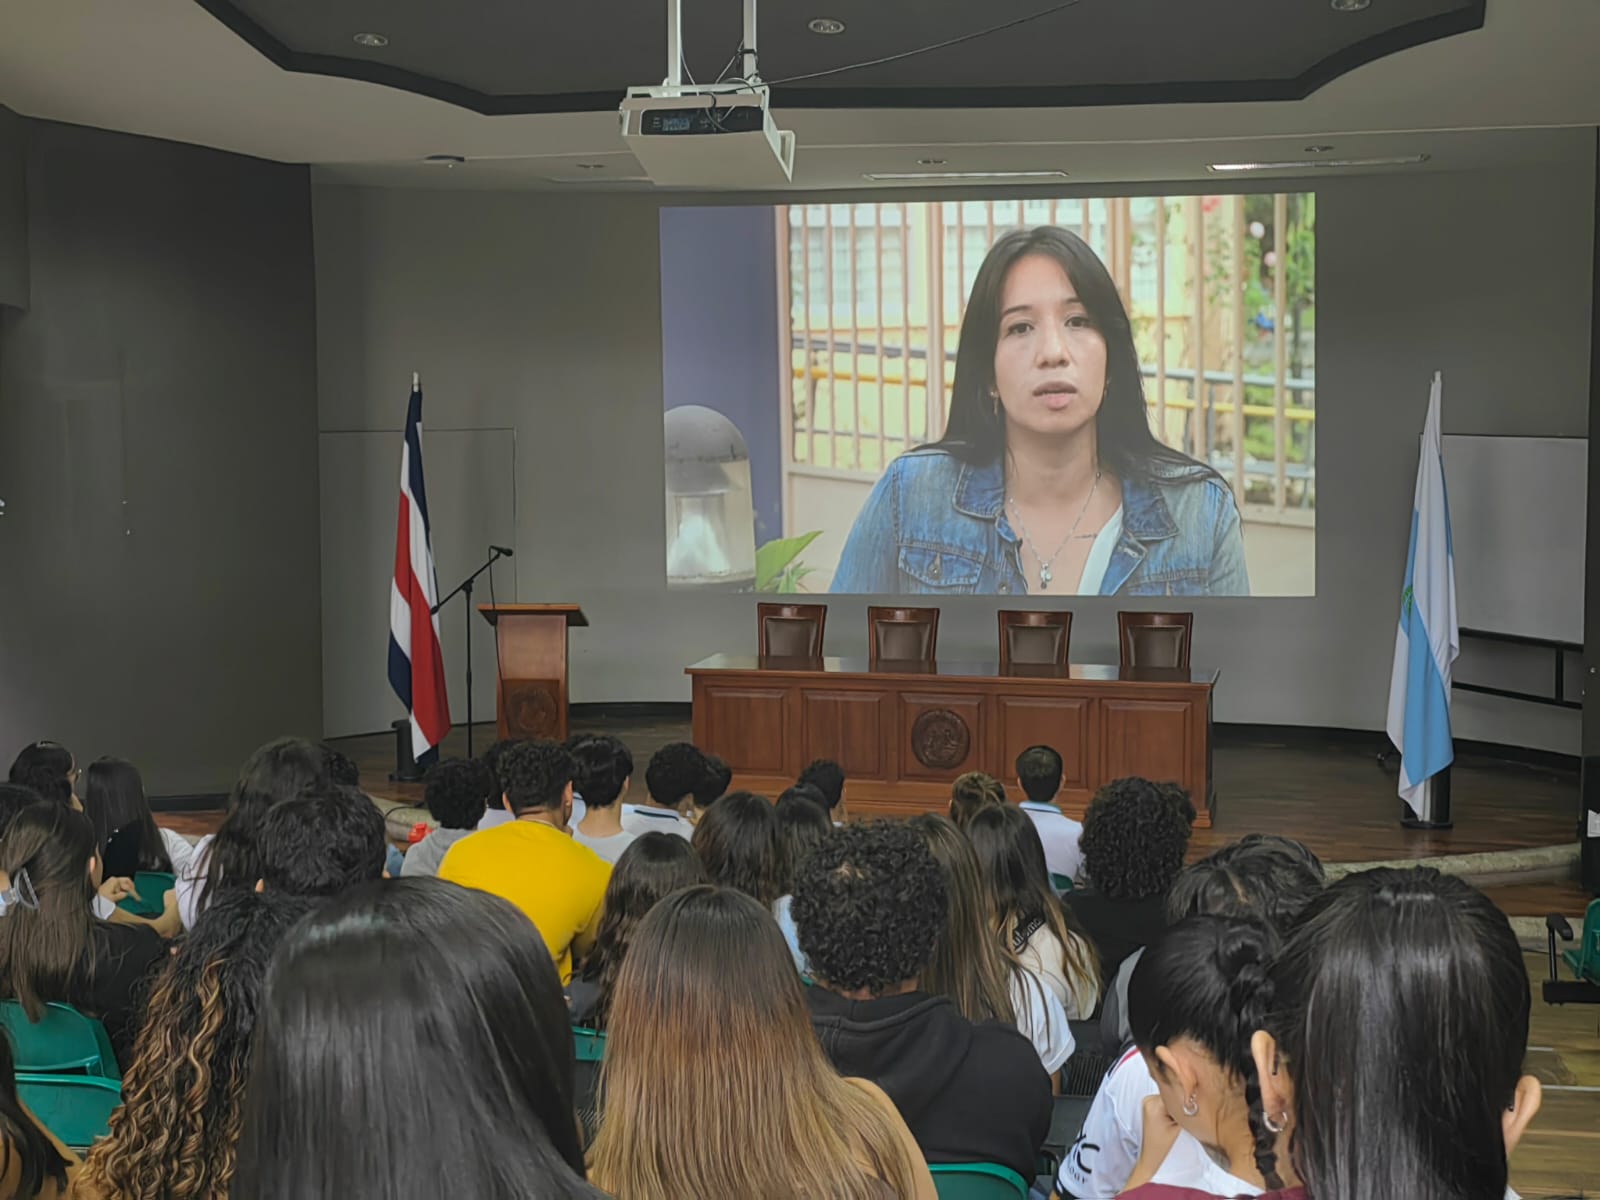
pixel 940 739
pixel 531 707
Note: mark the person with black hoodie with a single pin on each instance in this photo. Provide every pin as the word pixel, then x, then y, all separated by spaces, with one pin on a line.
pixel 869 904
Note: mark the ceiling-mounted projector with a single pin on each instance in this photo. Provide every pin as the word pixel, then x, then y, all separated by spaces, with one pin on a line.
pixel 706 137
pixel 717 135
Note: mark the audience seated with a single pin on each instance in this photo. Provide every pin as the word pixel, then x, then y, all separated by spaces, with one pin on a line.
pixel 1036 931
pixel 870 904
pixel 827 777
pixel 969 964
pixel 803 822
pixel 973 791
pixel 712 787
pixel 278 771
pixel 115 803
pixel 49 769
pixel 14 797
pixel 737 840
pixel 1260 877
pixel 1039 770
pixel 604 770
pixel 653 866
pixel 709 1026
pixel 533 861
pixel 1135 835
pixel 457 792
pixel 671 776
pixel 413 1041
pixel 1392 1049
pixel 178 1127
pixel 496 814
pixel 60 951
pixel 1196 998
pixel 33 1164
pixel 320 843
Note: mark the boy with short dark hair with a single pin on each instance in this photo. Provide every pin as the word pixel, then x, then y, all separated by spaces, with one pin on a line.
pixel 457 792
pixel 1039 771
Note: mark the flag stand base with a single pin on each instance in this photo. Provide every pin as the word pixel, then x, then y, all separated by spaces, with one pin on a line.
pixel 405 766
pixel 1435 798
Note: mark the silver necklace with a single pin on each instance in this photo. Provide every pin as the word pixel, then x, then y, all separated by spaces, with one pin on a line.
pixel 1045 564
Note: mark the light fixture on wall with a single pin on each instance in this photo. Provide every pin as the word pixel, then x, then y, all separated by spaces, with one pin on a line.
pixel 825 25
pixel 970 176
pixel 445 160
pixel 1349 5
pixel 1318 149
pixel 1321 164
pixel 931 162
pixel 372 41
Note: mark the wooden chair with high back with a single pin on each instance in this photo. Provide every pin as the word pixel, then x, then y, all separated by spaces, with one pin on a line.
pixel 902 634
pixel 1034 639
pixel 791 630
pixel 1155 639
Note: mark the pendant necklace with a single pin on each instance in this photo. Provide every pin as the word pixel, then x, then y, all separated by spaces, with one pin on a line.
pixel 1045 564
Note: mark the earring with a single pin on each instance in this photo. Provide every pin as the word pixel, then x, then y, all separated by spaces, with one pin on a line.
pixel 994 399
pixel 1275 1126
pixel 1191 1106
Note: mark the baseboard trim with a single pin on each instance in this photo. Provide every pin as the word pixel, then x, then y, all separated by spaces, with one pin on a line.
pixel 1244 733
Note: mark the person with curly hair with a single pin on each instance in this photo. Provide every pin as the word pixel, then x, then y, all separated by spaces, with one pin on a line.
pixel 670 778
pixel 651 868
pixel 737 840
pixel 1135 835
pixel 326 840
pixel 712 787
pixel 457 792
pixel 183 1096
pixel 532 861
pixel 870 904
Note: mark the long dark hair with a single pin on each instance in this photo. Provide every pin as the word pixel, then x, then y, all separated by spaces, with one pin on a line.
pixel 737 840
pixel 1011 858
pixel 653 866
pixel 44 951
pixel 278 771
pixel 803 822
pixel 1400 1011
pixel 177 1131
pixel 38 1157
pixel 1206 979
pixel 46 767
pixel 114 799
pixel 413 1040
pixel 967 964
pixel 976 432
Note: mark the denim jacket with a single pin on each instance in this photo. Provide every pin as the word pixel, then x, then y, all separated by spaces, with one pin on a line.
pixel 936 525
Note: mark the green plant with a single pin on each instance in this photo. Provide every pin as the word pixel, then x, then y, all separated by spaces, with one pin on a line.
pixel 778 565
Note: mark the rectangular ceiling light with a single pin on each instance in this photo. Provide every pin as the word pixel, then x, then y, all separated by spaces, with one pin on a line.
pixel 1320 164
pixel 922 176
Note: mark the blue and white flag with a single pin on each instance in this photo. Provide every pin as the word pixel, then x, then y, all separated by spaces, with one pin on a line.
pixel 1428 640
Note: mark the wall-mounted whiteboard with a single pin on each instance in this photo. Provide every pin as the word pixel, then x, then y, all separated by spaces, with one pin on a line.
pixel 1517 507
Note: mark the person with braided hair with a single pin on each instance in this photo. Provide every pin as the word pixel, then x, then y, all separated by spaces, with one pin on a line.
pixel 1196 999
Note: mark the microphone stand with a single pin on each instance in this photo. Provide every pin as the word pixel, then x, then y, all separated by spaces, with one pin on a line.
pixel 465 586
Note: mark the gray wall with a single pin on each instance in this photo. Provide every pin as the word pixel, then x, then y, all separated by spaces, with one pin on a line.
pixel 542 314
pixel 159 582
pixel 13 211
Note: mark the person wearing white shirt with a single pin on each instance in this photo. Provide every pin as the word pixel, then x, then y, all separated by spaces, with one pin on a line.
pixel 604 772
pixel 1039 771
pixel 670 780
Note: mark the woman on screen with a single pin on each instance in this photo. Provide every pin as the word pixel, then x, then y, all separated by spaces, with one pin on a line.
pixel 1048 478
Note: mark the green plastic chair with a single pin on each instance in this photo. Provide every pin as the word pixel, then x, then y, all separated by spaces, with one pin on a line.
pixel 1584 961
pixel 152 887
pixel 1062 883
pixel 978 1181
pixel 76 1108
pixel 63 1042
pixel 590 1044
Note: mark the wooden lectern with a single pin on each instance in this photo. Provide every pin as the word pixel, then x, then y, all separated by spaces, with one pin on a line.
pixel 531 648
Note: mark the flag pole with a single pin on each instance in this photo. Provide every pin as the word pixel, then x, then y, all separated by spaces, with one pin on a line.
pixel 416 380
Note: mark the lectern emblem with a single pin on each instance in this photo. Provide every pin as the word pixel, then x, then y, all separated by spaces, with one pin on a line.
pixel 940 739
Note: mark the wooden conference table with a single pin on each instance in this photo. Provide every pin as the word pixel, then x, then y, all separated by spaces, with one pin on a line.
pixel 903 731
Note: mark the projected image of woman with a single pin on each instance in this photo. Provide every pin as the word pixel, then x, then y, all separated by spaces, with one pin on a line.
pixel 1048 478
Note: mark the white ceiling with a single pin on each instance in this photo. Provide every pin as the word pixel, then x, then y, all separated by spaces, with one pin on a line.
pixel 166 68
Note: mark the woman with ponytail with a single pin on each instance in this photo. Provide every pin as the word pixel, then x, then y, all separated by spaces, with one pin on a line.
pixel 1196 999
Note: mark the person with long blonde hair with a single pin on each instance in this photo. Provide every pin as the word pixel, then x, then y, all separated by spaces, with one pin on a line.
pixel 176 1134
pixel 969 964
pixel 709 1018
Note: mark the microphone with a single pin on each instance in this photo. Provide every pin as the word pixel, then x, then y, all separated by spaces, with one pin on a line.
pixel 502 551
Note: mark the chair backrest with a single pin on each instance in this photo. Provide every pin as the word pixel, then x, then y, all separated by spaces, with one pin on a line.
pixel 1034 639
pixel 790 630
pixel 76 1108
pixel 977 1181
pixel 1155 639
pixel 62 1041
pixel 589 1044
pixel 1585 962
pixel 152 887
pixel 902 634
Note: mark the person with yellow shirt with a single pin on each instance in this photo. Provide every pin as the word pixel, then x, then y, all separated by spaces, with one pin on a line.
pixel 532 860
